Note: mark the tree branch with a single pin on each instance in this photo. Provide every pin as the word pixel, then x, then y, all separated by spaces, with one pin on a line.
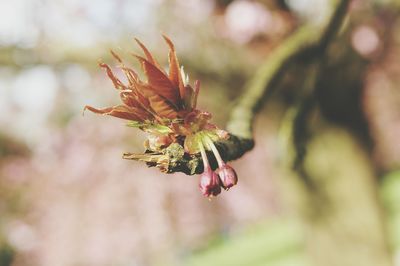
pixel 308 40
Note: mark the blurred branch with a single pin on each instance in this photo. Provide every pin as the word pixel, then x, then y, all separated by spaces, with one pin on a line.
pixel 307 43
pixel 334 24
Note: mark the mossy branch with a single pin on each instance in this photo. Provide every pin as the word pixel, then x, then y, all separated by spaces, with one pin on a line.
pixel 307 41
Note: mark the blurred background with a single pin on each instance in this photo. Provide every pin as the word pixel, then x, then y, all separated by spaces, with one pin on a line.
pixel 67 197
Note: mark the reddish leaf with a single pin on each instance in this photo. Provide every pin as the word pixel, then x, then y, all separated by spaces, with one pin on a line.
pixel 137 100
pixel 174 69
pixel 142 100
pixel 130 74
pixel 159 82
pixel 117 83
pixel 196 93
pixel 148 55
pixel 158 103
pixel 129 100
pixel 120 111
pixel 116 56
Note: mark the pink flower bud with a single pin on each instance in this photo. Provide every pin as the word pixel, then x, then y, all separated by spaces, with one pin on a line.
pixel 228 176
pixel 209 183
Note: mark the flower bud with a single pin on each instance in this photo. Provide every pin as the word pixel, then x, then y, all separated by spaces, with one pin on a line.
pixel 209 183
pixel 228 176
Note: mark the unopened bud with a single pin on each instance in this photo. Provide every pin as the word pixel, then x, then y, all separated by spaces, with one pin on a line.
pixel 228 176
pixel 209 183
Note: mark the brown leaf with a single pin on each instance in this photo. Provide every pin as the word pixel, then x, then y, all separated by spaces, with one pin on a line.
pixel 130 74
pixel 174 69
pixel 196 93
pixel 120 111
pixel 129 100
pixel 117 83
pixel 159 82
pixel 137 100
pixel 114 54
pixel 148 55
pixel 158 103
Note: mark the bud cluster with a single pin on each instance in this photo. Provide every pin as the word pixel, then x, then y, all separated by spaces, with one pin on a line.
pixel 211 181
pixel 165 107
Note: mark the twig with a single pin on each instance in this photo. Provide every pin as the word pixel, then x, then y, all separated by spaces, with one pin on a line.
pixel 308 40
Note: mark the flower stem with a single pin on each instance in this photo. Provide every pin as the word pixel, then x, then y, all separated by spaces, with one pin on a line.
pixel 203 156
pixel 214 149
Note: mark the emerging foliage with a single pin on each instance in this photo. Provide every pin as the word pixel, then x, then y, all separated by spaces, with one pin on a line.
pixel 165 107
